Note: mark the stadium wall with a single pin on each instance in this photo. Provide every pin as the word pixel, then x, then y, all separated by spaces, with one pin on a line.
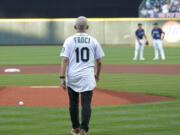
pixel 116 31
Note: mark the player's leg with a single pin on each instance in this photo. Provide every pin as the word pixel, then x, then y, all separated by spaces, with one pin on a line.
pixel 74 108
pixel 161 50
pixel 142 50
pixel 156 53
pixel 86 98
pixel 136 50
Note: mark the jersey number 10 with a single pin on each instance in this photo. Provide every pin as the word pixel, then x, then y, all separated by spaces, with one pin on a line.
pixel 82 54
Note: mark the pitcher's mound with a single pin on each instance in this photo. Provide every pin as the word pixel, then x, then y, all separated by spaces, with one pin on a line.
pixel 54 96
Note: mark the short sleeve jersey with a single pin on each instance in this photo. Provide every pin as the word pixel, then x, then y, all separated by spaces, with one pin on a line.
pixel 156 33
pixel 140 33
pixel 81 50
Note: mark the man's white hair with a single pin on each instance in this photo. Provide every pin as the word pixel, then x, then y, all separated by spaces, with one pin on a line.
pixel 81 23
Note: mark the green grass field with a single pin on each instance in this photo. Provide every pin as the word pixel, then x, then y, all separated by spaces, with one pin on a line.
pixel 19 55
pixel 161 118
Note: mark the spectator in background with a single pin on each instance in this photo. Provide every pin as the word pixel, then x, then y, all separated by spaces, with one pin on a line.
pixel 148 4
pixel 176 3
pixel 165 8
pixel 154 7
pixel 178 8
pixel 171 2
pixel 150 12
pixel 144 12
pixel 174 6
pixel 156 10
pixel 157 3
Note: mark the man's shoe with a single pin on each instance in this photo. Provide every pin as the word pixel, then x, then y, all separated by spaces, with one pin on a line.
pixel 83 132
pixel 75 131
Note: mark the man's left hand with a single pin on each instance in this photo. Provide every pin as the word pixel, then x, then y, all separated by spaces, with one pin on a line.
pixel 97 78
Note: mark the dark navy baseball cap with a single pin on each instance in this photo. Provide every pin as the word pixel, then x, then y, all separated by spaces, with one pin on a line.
pixel 156 23
pixel 139 24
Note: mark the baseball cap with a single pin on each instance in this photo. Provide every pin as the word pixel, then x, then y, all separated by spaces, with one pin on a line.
pixel 139 24
pixel 156 23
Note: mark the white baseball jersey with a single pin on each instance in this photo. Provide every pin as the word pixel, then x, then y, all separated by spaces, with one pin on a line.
pixel 81 50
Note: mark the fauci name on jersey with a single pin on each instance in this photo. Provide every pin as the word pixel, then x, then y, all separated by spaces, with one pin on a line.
pixel 82 39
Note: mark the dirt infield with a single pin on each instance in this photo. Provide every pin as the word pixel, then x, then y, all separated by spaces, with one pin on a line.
pixel 54 96
pixel 137 69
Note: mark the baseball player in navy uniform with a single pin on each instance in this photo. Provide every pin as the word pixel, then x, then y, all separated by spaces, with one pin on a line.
pixel 158 36
pixel 139 43
pixel 77 73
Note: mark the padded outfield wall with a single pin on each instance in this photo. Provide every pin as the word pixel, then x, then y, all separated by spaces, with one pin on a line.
pixel 115 31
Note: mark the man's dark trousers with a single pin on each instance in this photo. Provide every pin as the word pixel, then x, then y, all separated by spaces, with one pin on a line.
pixel 86 98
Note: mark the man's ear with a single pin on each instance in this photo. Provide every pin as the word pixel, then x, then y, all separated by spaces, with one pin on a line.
pixel 87 27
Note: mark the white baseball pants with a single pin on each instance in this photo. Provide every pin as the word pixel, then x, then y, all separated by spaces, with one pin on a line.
pixel 139 47
pixel 158 47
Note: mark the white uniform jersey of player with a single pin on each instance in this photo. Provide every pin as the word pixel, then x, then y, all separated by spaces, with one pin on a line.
pixel 81 50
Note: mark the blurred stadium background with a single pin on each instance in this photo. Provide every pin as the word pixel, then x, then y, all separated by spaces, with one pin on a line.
pixel 20 24
pixel 108 31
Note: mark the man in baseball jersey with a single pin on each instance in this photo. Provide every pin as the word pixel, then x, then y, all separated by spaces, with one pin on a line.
pixel 77 73
pixel 139 43
pixel 158 36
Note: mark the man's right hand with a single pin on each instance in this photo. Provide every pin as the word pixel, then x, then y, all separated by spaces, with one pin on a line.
pixel 63 84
